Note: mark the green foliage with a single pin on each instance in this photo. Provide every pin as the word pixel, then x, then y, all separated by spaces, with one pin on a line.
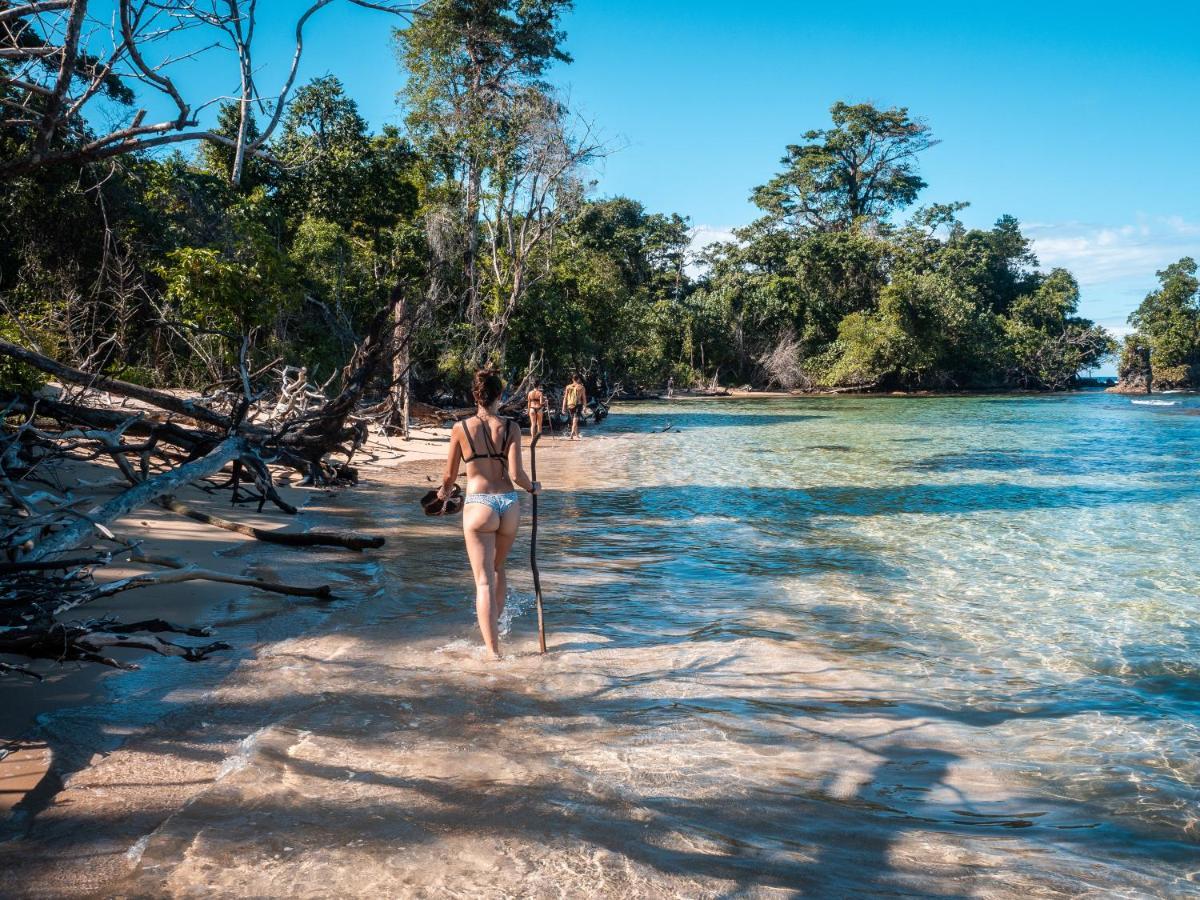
pixel 16 377
pixel 1168 322
pixel 1049 344
pixel 852 174
pixel 616 301
pixel 827 289
pixel 218 158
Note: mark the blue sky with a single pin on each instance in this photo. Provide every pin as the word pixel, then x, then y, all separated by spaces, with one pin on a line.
pixel 1082 120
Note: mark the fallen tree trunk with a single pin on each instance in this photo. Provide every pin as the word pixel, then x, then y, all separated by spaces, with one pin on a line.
pixel 146 492
pixel 127 423
pixel 161 399
pixel 191 573
pixel 286 538
pixel 84 641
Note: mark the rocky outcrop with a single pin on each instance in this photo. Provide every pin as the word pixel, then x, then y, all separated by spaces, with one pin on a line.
pixel 1134 372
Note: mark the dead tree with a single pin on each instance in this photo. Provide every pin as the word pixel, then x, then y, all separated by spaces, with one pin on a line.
pixel 62 59
pixel 159 442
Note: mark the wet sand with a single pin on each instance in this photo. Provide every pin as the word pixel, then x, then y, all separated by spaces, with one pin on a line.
pixel 83 779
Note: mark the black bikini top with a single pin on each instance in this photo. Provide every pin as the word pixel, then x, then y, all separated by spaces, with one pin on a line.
pixel 492 453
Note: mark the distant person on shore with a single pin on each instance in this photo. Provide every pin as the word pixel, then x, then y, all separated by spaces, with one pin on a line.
pixel 536 401
pixel 574 400
pixel 490 446
pixel 670 386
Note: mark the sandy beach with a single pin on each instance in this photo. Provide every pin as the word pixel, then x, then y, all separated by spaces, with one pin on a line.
pixel 36 766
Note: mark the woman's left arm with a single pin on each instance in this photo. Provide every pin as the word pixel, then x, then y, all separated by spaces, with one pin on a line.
pixel 516 468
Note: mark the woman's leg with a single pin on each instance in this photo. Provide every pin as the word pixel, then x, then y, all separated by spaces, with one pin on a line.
pixel 505 535
pixel 480 523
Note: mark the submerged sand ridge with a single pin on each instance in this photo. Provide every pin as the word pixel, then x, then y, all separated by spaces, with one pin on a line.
pixel 718 715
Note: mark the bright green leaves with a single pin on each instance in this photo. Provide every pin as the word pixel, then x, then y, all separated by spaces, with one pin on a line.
pixel 853 175
pixel 1168 323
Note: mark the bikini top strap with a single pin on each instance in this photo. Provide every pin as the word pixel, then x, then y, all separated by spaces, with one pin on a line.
pixel 470 443
pixel 487 438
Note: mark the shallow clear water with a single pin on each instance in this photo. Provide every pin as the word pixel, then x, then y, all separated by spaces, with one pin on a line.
pixel 842 646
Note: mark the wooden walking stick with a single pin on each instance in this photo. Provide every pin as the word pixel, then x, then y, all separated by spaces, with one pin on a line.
pixel 537 578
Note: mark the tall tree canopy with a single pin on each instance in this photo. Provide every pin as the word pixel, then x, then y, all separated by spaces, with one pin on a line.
pixel 854 174
pixel 488 127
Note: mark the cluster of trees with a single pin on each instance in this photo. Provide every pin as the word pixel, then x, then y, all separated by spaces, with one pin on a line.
pixel 152 267
pixel 826 291
pixel 297 229
pixel 1163 352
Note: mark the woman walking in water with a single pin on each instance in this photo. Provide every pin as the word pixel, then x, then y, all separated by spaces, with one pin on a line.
pixel 537 407
pixel 491 448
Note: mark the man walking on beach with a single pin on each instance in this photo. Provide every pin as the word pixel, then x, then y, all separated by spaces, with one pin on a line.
pixel 536 401
pixel 670 387
pixel 574 400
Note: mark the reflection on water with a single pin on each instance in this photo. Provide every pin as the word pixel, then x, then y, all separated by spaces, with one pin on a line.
pixel 941 646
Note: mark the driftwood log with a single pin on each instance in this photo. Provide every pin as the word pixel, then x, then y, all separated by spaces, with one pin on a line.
pixel 160 442
pixel 286 538
pixel 139 495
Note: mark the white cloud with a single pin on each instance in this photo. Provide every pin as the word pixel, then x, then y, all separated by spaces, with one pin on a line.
pixel 1119 328
pixel 703 237
pixel 1102 256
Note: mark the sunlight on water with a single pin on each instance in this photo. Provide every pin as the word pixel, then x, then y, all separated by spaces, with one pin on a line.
pixel 934 646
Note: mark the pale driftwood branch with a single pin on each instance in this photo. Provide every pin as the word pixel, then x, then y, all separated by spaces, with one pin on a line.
pixel 191 573
pixel 59 24
pixel 85 641
pixel 147 491
pixel 161 399
pixel 20 670
pixel 289 539
pixel 31 9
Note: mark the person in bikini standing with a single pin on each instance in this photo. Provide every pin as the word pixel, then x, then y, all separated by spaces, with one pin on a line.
pixel 536 401
pixel 574 401
pixel 490 447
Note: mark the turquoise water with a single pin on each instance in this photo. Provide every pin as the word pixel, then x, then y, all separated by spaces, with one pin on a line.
pixel 829 647
pixel 1015 576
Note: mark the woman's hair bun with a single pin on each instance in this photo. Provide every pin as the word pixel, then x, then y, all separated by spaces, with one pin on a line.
pixel 487 387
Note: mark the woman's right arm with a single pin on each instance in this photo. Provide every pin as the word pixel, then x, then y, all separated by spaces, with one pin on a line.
pixel 453 457
pixel 516 468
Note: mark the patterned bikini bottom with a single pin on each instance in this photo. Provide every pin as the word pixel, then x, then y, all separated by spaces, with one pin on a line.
pixel 499 502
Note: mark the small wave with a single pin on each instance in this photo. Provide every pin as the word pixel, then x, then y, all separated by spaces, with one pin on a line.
pixel 241 757
pixel 456 646
pixel 1155 402
pixel 514 606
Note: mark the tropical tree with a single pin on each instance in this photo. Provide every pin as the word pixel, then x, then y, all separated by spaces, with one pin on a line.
pixel 1049 343
pixel 1168 321
pixel 473 94
pixel 851 175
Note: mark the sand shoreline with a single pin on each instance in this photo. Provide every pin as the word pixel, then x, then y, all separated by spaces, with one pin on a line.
pixel 50 778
